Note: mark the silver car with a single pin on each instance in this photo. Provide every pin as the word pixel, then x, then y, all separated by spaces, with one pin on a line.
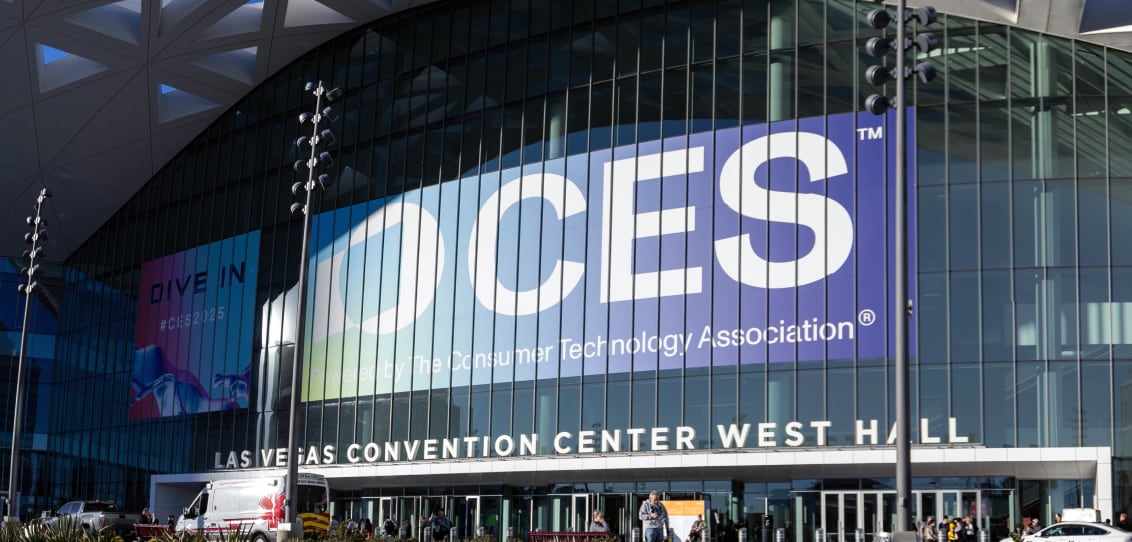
pixel 1078 531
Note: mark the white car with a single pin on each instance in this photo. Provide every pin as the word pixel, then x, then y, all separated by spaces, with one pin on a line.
pixel 1079 531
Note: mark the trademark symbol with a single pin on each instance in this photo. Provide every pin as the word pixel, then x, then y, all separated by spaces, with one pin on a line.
pixel 866 317
pixel 869 134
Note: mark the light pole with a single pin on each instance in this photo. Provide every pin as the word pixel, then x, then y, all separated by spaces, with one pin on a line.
pixel 902 304
pixel 305 190
pixel 37 234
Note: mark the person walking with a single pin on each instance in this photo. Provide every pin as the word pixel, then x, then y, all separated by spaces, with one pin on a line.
pixel 928 530
pixel 654 518
pixel 1122 522
pixel 598 523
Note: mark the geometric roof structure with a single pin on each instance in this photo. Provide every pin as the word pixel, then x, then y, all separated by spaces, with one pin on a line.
pixel 98 95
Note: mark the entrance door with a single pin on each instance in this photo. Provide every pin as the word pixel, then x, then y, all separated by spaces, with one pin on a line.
pixel 857 516
pixel 581 506
pixel 464 513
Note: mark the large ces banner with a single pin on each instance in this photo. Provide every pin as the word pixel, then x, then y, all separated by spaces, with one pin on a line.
pixel 751 245
pixel 194 333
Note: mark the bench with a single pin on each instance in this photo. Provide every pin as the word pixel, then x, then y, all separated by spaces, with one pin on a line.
pixel 146 531
pixel 551 536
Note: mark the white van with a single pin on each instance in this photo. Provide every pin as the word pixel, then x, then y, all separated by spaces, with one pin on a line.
pixel 253 507
pixel 1091 515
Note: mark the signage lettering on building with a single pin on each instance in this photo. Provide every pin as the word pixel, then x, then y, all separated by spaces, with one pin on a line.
pixel 791 434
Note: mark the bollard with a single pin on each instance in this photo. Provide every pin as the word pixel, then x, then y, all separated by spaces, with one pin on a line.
pixel 510 532
pixel 743 534
pixel 819 535
pixel 636 534
pixel 984 535
pixel 767 527
pixel 780 535
pixel 883 537
pixel 859 535
pixel 480 531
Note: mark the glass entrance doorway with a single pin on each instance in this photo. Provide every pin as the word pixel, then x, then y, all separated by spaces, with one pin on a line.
pixel 857 516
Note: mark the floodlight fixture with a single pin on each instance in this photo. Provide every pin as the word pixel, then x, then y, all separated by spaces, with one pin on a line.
pixel 325 159
pixel 325 181
pixel 878 46
pixel 311 86
pixel 878 75
pixel 302 142
pixel 329 113
pixel 326 136
pixel 879 18
pixel 333 94
pixel 296 207
pixel 305 116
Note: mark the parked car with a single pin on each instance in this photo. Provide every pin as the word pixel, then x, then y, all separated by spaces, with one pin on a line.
pixel 95 515
pixel 1079 531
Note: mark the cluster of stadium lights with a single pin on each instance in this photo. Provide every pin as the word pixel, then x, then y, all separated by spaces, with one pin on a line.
pixel 879 104
pixel 35 238
pixel 880 46
pixel 317 161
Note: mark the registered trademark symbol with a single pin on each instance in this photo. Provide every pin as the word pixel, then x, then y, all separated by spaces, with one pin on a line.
pixel 867 317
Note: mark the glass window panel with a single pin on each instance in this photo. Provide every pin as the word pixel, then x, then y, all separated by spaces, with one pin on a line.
pixel 994 142
pixel 601 116
pixel 618 414
pixel 649 112
pixel 754 88
pixel 626 113
pixel 931 152
pixel 1122 406
pixel 628 46
pixel 437 414
pixel 1096 314
pixel 931 228
pixel 962 142
pixel 652 32
pixel 569 407
pixel 993 58
pixel 675 102
pixel 961 65
pixel 1031 402
pixel 537 68
pixel 1091 137
pixel 755 26
pixel 994 217
pixel 1027 198
pixel 997 339
pixel 604 51
pixel 581 55
pixel 998 404
pixel 753 391
pixel 724 398
pixel 1059 223
pixel 501 410
pixel 1060 296
pixel 1065 411
pixel 780 396
pixel 696 391
pixel 728 17
pixel 728 100
pixel 841 409
pixel 966 389
pixel 933 400
pixel 1092 227
pixel 931 318
pixel 1022 138
pixel 593 407
pixel 702 98
pixel 1027 330
pixel 963 226
pixel 1120 209
pixel 963 315
pixel 703 31
pixel 1096 403
pixel 780 91
pixel 841 74
pixel 677 36
pixel 644 403
pixel 811 82
pixel 1090 65
pixel 1119 134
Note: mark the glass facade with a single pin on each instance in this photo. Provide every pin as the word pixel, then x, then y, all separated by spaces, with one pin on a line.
pixel 483 281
